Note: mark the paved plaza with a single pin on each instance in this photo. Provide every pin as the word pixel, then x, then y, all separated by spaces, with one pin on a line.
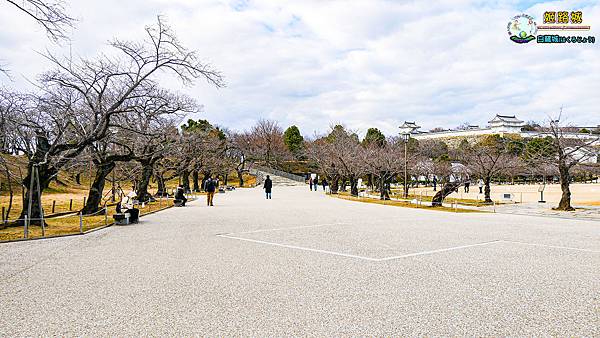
pixel 307 264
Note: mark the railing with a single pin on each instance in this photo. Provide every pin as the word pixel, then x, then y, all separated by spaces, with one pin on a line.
pixel 280 173
pixel 75 224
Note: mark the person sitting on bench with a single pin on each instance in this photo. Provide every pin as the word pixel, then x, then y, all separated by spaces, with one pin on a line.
pixel 128 204
pixel 179 195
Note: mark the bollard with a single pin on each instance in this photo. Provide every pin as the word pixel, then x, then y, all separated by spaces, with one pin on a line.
pixel 71 204
pixel 80 222
pixel 43 225
pixel 26 228
pixel 53 206
pixel 494 203
pixel 84 201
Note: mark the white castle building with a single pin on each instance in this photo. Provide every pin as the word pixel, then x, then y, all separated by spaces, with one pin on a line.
pixel 499 124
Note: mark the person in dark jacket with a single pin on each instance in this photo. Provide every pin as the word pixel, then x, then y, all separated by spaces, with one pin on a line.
pixel 179 195
pixel 268 186
pixel 210 186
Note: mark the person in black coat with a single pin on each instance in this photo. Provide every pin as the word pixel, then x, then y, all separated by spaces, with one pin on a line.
pixel 179 195
pixel 268 186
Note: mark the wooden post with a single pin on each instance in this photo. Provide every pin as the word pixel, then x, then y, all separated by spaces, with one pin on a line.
pixel 84 198
pixel 80 222
pixel 4 219
pixel 71 204
pixel 53 206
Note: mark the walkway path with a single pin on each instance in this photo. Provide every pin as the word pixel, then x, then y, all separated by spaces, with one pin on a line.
pixel 307 264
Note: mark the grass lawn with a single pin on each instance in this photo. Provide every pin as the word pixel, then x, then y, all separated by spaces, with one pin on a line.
pixel 403 204
pixel 69 224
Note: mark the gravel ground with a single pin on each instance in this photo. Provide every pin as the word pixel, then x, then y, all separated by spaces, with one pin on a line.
pixel 307 264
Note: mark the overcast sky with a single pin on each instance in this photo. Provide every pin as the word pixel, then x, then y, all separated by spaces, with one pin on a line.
pixel 362 63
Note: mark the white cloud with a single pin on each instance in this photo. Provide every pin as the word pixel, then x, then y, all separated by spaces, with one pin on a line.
pixel 364 63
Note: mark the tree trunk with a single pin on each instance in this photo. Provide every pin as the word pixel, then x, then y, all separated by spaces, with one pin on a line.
pixel 45 176
pixel 444 192
pixel 487 190
pixel 240 174
pixel 142 188
pixel 353 186
pixel 565 181
pixel 334 185
pixel 185 181
pixel 342 184
pixel 226 176
pixel 95 194
pixel 195 180
pixel 383 192
pixel 161 187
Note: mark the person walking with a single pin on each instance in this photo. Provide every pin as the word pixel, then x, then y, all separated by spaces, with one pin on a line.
pixel 310 182
pixel 316 182
pixel 210 187
pixel 467 185
pixel 268 186
pixel 434 183
pixel 324 183
pixel 480 184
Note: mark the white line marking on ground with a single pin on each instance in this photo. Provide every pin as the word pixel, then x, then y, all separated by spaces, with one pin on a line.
pixel 302 248
pixel 552 246
pixel 290 228
pixel 429 252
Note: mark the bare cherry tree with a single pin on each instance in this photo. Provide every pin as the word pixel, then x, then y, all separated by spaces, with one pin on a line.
pixel 50 15
pixel 565 150
pixel 488 158
pixel 79 100
pixel 385 161
pixel 266 143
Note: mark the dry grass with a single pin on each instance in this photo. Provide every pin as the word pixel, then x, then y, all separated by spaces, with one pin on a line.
pixel 403 204
pixel 69 224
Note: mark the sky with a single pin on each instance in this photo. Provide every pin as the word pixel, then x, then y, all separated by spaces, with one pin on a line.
pixel 372 63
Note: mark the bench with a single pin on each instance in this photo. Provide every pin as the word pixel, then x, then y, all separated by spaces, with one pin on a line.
pixel 177 203
pixel 121 219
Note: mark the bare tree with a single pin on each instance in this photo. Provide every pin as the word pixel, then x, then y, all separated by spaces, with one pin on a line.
pixel 266 143
pixel 126 130
pixel 51 15
pixel 385 161
pixel 491 156
pixel 564 150
pixel 80 99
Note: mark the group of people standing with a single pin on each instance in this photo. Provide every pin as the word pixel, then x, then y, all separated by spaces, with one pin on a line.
pixel 313 182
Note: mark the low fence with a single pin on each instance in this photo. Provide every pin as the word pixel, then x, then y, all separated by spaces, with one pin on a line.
pixel 281 173
pixel 74 224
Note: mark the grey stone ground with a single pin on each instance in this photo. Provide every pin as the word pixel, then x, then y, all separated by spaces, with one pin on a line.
pixel 307 264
